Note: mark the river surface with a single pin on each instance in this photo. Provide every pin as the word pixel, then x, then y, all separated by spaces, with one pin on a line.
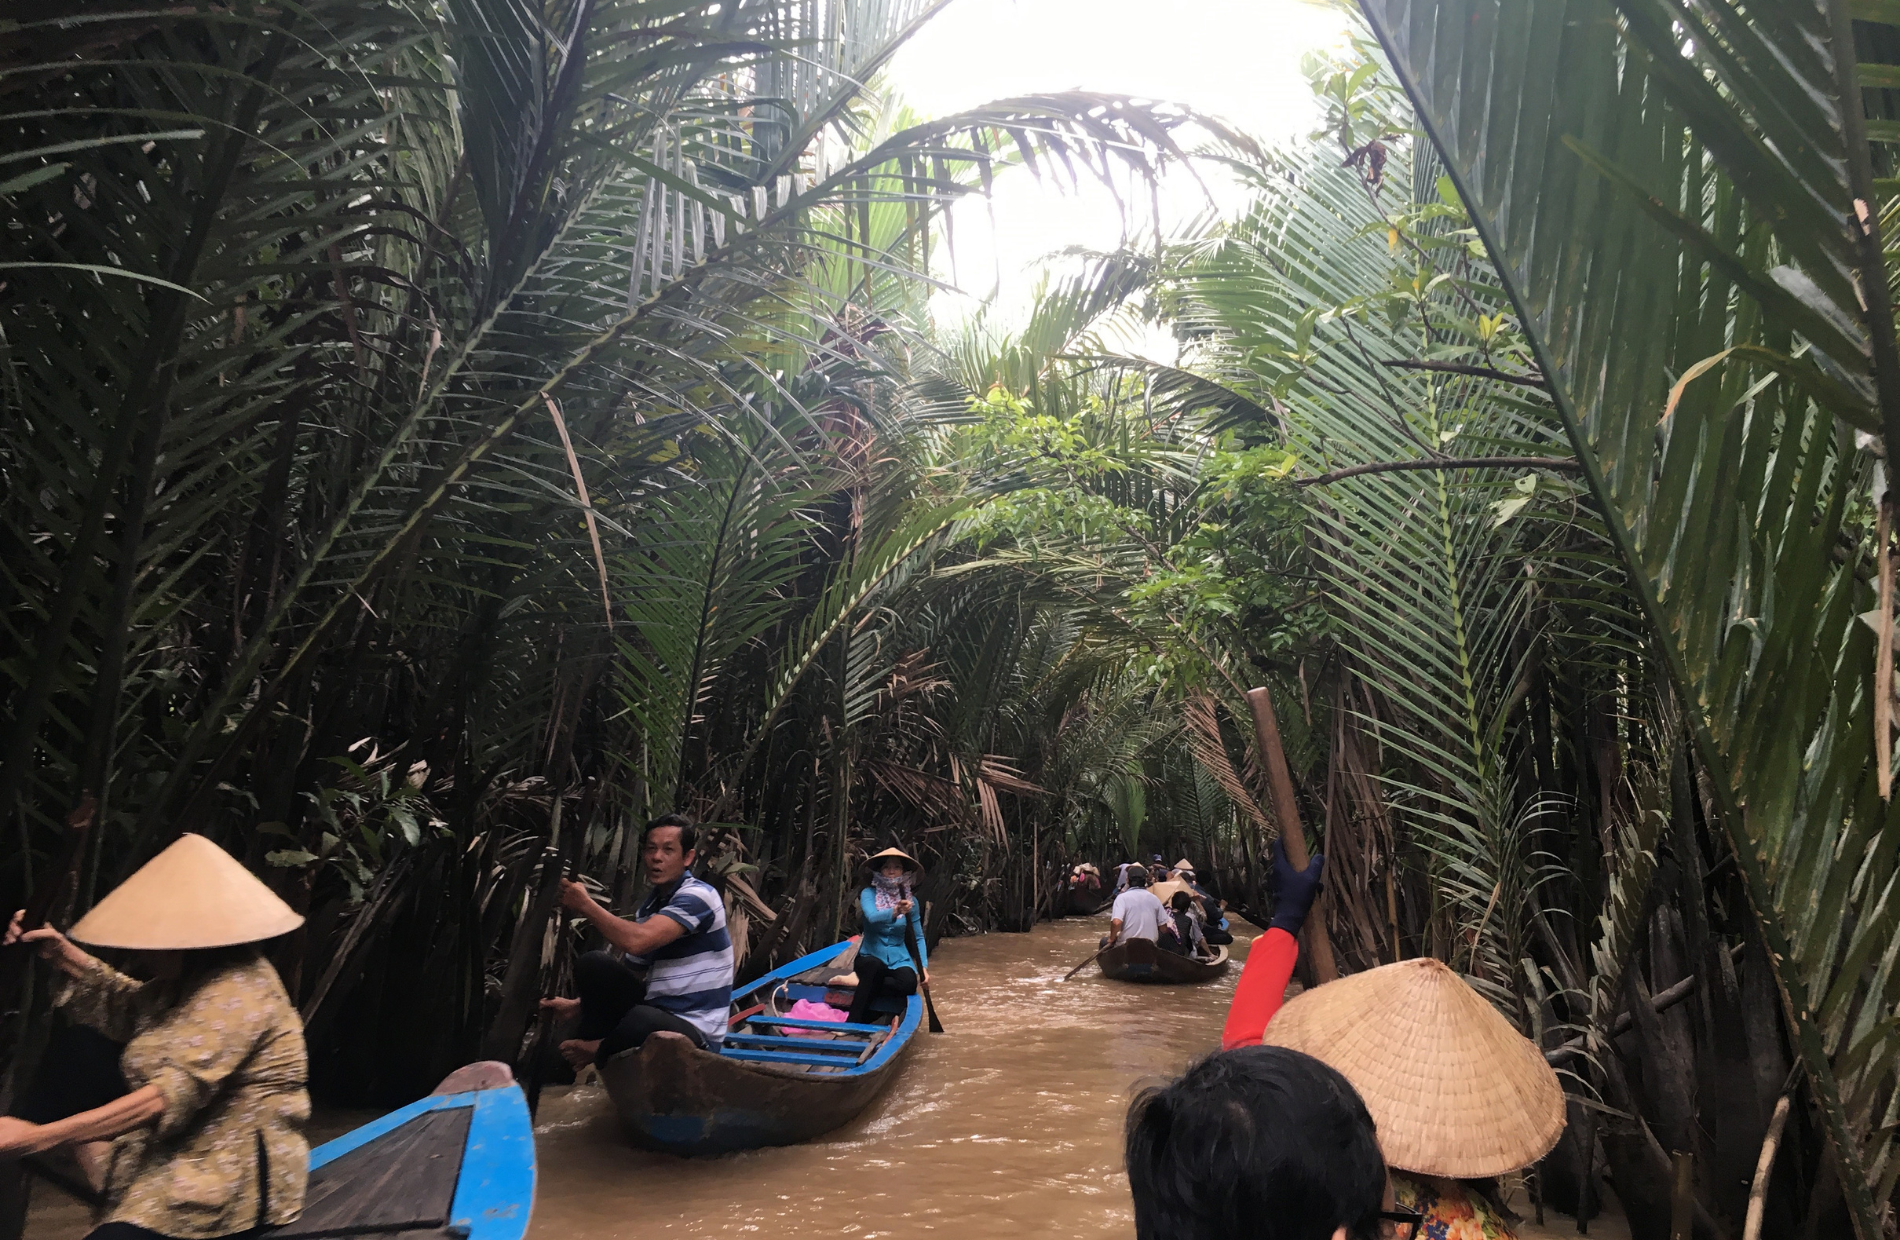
pixel 1009 1124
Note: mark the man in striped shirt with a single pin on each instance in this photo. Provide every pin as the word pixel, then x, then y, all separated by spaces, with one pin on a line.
pixel 676 973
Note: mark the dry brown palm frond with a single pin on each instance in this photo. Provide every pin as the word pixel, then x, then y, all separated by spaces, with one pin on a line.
pixel 999 771
pixel 1205 743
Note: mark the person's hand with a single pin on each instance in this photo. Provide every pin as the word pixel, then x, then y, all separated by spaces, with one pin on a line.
pixel 1294 890
pixel 19 1137
pixel 924 978
pixel 574 896
pixel 50 943
pixel 901 908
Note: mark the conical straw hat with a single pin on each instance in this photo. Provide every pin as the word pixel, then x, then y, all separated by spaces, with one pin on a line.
pixel 194 894
pixel 875 860
pixel 1455 1091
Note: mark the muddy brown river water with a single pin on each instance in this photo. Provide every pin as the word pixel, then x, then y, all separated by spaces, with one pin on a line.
pixel 1009 1124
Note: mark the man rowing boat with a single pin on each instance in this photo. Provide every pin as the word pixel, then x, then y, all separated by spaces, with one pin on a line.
pixel 675 973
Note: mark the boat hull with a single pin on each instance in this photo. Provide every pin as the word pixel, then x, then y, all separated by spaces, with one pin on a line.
pixel 1084 902
pixel 673 1097
pixel 1139 960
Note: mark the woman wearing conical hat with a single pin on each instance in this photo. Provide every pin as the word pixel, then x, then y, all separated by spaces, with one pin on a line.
pixel 1456 1093
pixel 205 1107
pixel 885 967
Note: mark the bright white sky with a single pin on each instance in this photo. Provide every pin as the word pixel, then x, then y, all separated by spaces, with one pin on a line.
pixel 1235 59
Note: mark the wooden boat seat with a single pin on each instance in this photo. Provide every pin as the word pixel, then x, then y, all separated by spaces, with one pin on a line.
pixel 847 1046
pixel 844 1026
pixel 404 1182
pixel 793 1057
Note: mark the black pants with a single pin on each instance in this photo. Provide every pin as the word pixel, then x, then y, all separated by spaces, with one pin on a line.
pixel 878 980
pixel 613 1007
pixel 1217 936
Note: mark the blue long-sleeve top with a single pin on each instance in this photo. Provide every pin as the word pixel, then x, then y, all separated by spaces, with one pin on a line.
pixel 884 932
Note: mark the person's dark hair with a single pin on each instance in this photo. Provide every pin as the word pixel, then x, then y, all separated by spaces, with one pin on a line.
pixel 689 834
pixel 1180 900
pixel 1137 877
pixel 1260 1143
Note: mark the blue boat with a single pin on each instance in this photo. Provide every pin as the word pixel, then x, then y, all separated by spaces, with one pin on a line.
pixel 457 1165
pixel 777 1080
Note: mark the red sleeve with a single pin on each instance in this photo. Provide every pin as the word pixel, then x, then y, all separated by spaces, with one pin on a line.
pixel 1261 990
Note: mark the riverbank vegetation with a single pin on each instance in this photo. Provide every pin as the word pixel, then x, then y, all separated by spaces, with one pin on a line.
pixel 440 439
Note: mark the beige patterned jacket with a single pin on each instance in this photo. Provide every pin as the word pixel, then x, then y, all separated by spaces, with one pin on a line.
pixel 228 1058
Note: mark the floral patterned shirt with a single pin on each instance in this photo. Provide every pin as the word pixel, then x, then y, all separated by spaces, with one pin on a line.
pixel 227 1055
pixel 1451 1211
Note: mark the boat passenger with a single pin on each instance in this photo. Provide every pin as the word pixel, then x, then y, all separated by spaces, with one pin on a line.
pixel 675 975
pixel 893 931
pixel 1182 933
pixel 1459 1096
pixel 1263 1143
pixel 181 1098
pixel 1213 916
pixel 1136 914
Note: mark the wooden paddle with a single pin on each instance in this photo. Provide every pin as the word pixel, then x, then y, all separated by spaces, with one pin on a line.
pixel 1286 809
pixel 1086 963
pixel 910 942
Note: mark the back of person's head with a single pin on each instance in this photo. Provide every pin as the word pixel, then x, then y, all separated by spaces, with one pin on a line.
pixel 1137 877
pixel 1260 1143
pixel 689 834
pixel 1180 900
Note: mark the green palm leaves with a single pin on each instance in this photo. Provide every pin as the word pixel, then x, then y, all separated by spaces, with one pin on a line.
pixel 1661 184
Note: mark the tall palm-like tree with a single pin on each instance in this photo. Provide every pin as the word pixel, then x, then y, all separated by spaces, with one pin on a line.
pixel 1681 203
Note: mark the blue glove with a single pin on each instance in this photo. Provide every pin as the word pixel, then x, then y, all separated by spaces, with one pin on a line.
pixel 1293 890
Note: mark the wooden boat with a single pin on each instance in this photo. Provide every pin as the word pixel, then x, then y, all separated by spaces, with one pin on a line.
pixel 776 1081
pixel 1086 901
pixel 1139 960
pixel 458 1164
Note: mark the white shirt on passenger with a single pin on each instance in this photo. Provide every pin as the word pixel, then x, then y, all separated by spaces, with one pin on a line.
pixel 1139 913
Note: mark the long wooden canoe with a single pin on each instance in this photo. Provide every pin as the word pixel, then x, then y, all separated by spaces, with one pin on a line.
pixel 1086 901
pixel 776 1081
pixel 457 1165
pixel 1139 960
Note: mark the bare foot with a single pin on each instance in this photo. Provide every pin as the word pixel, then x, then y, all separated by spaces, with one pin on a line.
pixel 579 1053
pixel 561 1008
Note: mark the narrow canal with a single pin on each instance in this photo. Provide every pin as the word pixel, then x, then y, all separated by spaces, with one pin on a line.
pixel 1007 1125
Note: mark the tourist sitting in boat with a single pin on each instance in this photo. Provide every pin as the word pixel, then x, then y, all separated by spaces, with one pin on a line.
pixel 891 949
pixel 1213 917
pixel 1136 914
pixel 1182 933
pixel 1458 1095
pixel 1258 1144
pixel 675 975
pixel 182 1098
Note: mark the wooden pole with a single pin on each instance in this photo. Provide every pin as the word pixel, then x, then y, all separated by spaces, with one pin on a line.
pixel 1286 812
pixel 1764 1169
pixel 1682 1198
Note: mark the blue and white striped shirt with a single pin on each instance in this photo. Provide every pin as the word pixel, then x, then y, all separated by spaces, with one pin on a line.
pixel 691 977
